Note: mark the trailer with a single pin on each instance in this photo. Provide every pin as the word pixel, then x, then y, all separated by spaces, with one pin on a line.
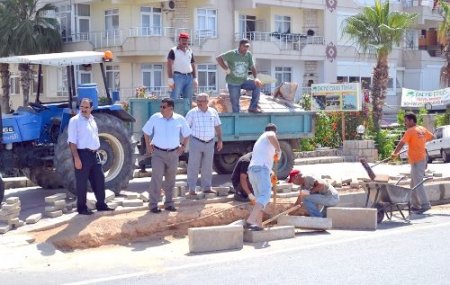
pixel 239 132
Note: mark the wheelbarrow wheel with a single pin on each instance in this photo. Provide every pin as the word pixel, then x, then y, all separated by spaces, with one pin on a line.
pixel 380 213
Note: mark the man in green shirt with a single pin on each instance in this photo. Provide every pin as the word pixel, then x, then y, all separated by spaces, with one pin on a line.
pixel 237 63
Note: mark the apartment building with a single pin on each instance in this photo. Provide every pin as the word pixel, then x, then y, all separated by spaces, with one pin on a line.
pixel 292 40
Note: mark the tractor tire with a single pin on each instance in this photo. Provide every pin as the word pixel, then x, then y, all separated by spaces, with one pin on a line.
pixel 116 152
pixel 224 163
pixel 445 156
pixel 286 162
pixel 46 177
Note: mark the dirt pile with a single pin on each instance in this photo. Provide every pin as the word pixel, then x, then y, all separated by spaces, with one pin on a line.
pixel 83 232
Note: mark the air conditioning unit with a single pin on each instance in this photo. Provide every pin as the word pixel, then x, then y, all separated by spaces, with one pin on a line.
pixel 168 6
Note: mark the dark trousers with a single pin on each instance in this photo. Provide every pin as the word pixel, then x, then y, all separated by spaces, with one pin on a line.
pixel 92 171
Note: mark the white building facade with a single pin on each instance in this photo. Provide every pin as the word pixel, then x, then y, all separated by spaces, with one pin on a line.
pixel 292 40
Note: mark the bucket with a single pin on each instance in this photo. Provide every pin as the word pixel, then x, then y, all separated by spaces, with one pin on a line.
pixel 88 90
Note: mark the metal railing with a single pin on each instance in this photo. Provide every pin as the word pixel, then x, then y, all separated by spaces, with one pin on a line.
pixel 285 41
pixel 114 38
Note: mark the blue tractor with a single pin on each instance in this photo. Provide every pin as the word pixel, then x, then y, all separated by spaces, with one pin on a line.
pixel 34 137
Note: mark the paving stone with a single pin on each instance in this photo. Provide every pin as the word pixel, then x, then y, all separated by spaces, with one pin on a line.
pixel 133 203
pixel 130 195
pixel 326 176
pixel 69 210
pixel 12 200
pixel 180 183
pixel 346 181
pixel 60 204
pixel 437 174
pixel 176 192
pixel 287 195
pixel 10 207
pixel 353 218
pixel 112 205
pixel 55 197
pixel 210 195
pixel 284 188
pixel 206 239
pixel 54 214
pixel 109 195
pixel 238 223
pixel 145 196
pixel 51 208
pixel 268 234
pixel 306 222
pixel 119 200
pixel 221 191
pixel 4 228
pixel 32 219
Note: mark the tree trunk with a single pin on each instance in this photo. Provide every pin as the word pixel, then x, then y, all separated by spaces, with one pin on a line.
pixel 26 77
pixel 380 83
pixel 4 75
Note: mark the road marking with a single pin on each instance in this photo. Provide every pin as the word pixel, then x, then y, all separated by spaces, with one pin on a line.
pixel 290 248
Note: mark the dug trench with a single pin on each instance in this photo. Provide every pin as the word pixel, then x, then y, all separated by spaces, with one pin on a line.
pixel 115 228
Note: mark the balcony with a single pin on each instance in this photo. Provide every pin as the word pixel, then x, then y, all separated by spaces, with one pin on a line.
pixel 311 4
pixel 281 43
pixel 132 40
pixel 425 10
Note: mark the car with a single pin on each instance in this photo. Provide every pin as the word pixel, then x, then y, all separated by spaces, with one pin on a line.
pixel 439 147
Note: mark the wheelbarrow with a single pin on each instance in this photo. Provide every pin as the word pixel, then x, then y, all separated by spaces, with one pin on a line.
pixel 388 197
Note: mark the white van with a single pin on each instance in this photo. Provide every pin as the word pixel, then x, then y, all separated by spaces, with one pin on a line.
pixel 439 147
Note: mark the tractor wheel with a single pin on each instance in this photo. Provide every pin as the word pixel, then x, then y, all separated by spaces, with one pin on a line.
pixel 286 162
pixel 445 156
pixel 224 163
pixel 46 177
pixel 116 152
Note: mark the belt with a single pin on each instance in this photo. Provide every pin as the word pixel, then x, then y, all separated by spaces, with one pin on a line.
pixel 87 149
pixel 203 140
pixel 181 73
pixel 164 149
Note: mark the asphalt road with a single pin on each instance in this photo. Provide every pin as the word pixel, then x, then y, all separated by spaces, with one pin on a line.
pixel 397 253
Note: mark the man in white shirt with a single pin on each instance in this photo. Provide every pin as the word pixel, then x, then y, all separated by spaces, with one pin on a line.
pixel 181 73
pixel 205 125
pixel 84 142
pixel 162 134
pixel 265 151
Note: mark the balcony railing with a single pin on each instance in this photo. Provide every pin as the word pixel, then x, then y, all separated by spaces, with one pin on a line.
pixel 114 38
pixel 285 41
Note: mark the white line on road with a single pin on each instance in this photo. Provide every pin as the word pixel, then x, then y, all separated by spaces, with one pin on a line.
pixel 289 249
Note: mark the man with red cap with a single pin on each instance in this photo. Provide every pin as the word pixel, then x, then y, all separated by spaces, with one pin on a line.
pixel 181 72
pixel 321 193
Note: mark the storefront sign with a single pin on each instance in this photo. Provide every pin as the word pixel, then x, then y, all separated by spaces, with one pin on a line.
pixel 415 98
pixel 336 97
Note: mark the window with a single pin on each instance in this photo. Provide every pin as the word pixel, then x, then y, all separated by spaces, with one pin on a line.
pixel 83 74
pixel 34 86
pixel 62 82
pixel 14 84
pixel 283 24
pixel 247 26
pixel 207 74
pixel 207 23
pixel 151 21
pixel 113 77
pixel 283 74
pixel 112 22
pixel 152 76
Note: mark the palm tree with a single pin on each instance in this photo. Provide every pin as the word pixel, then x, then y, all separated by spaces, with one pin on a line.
pixel 378 29
pixel 33 33
pixel 5 39
pixel 444 39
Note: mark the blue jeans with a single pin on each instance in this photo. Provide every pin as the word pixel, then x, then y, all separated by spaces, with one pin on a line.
pixel 184 88
pixel 311 202
pixel 235 93
pixel 259 177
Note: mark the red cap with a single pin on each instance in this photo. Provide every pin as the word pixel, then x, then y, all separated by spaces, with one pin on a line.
pixel 292 174
pixel 183 36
